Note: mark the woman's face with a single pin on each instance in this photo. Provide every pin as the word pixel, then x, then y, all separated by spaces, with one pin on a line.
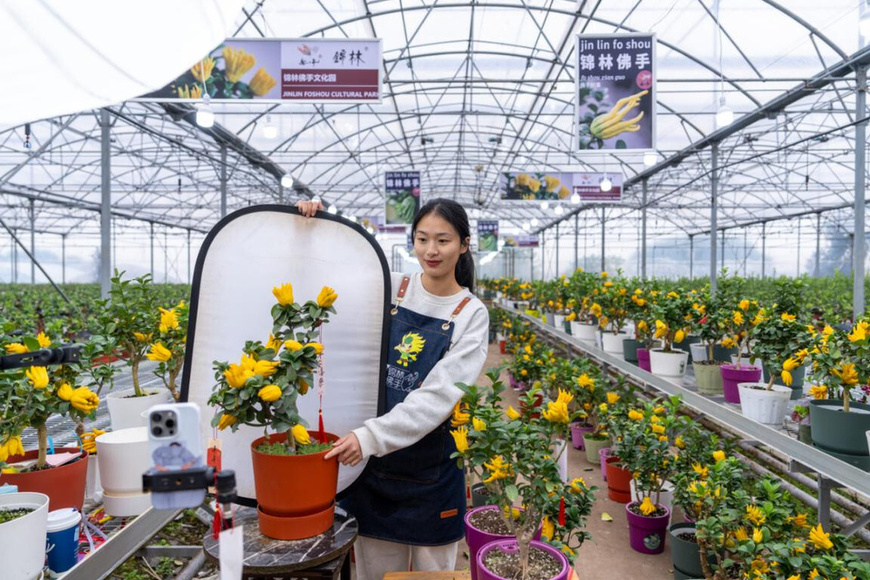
pixel 438 246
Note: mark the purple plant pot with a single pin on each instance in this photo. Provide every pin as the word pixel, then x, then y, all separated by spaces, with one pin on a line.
pixel 513 381
pixel 477 539
pixel 510 546
pixel 643 359
pixel 731 376
pixel 604 454
pixel 647 534
pixel 577 431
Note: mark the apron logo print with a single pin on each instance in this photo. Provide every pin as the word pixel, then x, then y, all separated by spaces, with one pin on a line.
pixel 412 344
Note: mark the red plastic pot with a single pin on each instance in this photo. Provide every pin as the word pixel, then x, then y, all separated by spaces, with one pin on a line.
pixel 618 481
pixel 64 485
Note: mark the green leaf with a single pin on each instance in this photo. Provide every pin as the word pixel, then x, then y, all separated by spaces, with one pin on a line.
pixel 511 492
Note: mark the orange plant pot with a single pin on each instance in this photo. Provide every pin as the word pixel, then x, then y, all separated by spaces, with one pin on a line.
pixel 618 481
pixel 64 485
pixel 295 493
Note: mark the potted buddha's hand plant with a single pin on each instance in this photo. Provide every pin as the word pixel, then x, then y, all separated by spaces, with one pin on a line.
pixel 740 323
pixel 512 454
pixel 581 285
pixel 840 367
pixel 614 300
pixel 30 396
pixel 167 348
pixel 295 487
pixel 674 318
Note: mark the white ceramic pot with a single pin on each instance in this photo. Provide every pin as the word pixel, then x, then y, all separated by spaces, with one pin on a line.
pixel 562 454
pixel 584 332
pixel 669 365
pixel 93 489
pixel 559 321
pixel 125 410
pixel 766 407
pixel 22 540
pixel 699 351
pixel 612 343
pixel 666 497
pixel 124 457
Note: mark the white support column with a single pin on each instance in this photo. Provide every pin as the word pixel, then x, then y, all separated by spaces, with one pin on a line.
pixel 105 206
pixel 32 211
pixel 714 209
pixel 860 236
pixel 643 231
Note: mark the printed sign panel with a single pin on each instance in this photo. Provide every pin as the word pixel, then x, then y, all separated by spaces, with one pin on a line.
pixel 588 187
pixel 402 196
pixel 302 70
pixel 528 241
pixel 487 235
pixel 615 92
pixel 537 185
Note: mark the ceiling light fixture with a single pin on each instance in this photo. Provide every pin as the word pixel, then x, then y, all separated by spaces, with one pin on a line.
pixel 725 115
pixel 270 130
pixel 575 199
pixel 559 210
pixel 527 226
pixel 333 209
pixel 204 114
pixel 650 158
pixel 287 181
pixel 534 222
pixel 545 205
pixel 606 184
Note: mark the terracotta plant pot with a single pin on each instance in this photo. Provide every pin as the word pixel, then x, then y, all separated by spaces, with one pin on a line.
pixel 732 376
pixel 510 547
pixel 618 482
pixel 64 485
pixel 295 493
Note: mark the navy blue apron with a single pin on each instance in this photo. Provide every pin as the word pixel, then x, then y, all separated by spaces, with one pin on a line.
pixel 414 495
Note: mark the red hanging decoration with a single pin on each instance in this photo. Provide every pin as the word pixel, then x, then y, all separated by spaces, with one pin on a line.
pixel 321 434
pixel 562 511
pixel 217 522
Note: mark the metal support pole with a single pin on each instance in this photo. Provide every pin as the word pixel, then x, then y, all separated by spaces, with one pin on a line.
pixel 63 258
pixel 585 245
pixel 543 258
pixel 576 241
pixel 32 210
pixel 603 268
pixel 825 486
pixel 798 269
pixel 817 271
pixel 860 236
pixel 763 248
pixel 557 251
pixel 745 253
pixel 714 210
pixel 105 206
pixel 531 263
pixel 14 278
pixel 151 224
pixel 189 278
pixel 722 252
pixel 643 231
pixel 223 181
pixel 691 257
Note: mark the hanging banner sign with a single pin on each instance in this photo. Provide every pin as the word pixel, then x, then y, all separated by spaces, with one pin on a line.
pixel 487 235
pixel 588 187
pixel 376 222
pixel 302 70
pixel 615 91
pixel 402 196
pixel 528 241
pixel 536 185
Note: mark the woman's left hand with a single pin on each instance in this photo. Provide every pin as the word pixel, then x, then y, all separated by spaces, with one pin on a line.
pixel 347 449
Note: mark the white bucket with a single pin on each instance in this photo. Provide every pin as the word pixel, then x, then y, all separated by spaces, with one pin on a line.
pixel 124 457
pixel 669 365
pixel 22 540
pixel 125 410
pixel 699 351
pixel 584 332
pixel 612 343
pixel 766 407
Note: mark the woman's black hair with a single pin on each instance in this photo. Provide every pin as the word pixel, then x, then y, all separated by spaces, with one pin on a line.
pixel 456 216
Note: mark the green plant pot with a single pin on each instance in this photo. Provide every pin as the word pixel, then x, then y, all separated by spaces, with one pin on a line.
pixel 593 446
pixel 479 497
pixel 687 343
pixel 723 354
pixel 838 431
pixel 860 461
pixel 805 434
pixel 685 555
pixel 708 379
pixel 629 349
pixel 797 384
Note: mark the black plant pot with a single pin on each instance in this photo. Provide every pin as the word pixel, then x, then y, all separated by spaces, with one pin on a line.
pixel 479 496
pixel 629 349
pixel 685 555
pixel 797 383
pixel 836 430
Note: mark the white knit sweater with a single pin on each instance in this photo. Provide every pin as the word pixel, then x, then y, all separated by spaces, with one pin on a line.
pixel 428 406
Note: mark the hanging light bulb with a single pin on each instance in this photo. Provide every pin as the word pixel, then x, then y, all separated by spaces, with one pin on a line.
pixel 287 181
pixel 352 218
pixel 270 130
pixel 545 205
pixel 527 226
pixel 606 184
pixel 650 158
pixel 204 114
pixel 725 116
pixel 333 209
pixel 534 222
pixel 559 210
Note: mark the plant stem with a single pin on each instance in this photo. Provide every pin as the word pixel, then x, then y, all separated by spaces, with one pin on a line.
pixel 846 398
pixel 524 540
pixel 42 437
pixel 770 382
pixel 135 367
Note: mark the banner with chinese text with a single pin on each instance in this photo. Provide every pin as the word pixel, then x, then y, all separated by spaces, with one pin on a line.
pixel 615 91
pixel 402 196
pixel 300 70
pixel 537 185
pixel 588 187
pixel 487 235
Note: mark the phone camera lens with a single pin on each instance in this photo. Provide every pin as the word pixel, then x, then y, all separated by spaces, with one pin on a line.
pixel 158 431
pixel 170 423
pixel 156 417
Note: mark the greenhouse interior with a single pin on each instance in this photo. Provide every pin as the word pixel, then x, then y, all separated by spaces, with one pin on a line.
pixel 434 289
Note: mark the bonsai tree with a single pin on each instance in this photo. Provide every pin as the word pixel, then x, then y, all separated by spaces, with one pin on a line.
pixel 261 390
pixel 512 454
pixel 781 342
pixel 167 348
pixel 614 301
pixel 581 286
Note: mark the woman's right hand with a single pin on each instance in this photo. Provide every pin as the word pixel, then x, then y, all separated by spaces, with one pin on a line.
pixel 309 207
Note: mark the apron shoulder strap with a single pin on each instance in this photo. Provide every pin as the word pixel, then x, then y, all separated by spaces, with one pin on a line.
pixel 456 312
pixel 403 289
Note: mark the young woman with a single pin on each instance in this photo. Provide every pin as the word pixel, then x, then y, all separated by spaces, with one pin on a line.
pixel 410 501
